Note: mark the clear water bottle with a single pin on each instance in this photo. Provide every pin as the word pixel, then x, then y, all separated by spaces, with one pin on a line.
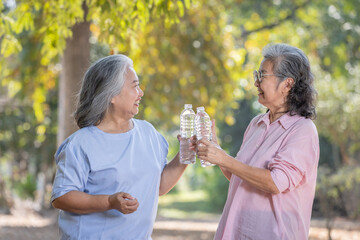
pixel 203 129
pixel 187 130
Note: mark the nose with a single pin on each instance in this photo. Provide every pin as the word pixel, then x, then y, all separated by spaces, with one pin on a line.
pixel 256 83
pixel 141 92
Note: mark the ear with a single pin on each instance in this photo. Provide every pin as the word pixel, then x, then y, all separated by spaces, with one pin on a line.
pixel 289 82
pixel 112 100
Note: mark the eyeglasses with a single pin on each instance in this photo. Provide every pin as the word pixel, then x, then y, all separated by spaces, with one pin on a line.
pixel 258 76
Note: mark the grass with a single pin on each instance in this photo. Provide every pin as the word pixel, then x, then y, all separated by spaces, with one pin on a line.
pixel 187 205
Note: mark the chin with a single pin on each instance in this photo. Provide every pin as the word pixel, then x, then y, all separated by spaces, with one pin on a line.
pixel 134 113
pixel 262 103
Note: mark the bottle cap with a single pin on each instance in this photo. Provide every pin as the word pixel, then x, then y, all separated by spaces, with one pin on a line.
pixel 188 106
pixel 200 108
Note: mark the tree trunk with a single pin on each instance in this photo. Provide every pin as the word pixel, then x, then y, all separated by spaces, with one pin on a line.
pixel 329 221
pixel 345 157
pixel 74 64
pixel 6 200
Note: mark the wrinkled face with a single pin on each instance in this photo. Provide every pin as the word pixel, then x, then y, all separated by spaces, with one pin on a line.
pixel 126 104
pixel 272 94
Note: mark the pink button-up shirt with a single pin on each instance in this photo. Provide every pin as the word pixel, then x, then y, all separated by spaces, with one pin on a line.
pixel 289 148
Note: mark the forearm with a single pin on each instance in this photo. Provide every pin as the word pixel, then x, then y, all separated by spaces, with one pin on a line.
pixel 82 203
pixel 171 175
pixel 226 173
pixel 258 177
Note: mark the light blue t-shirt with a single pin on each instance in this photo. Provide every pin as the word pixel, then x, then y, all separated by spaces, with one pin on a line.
pixel 96 162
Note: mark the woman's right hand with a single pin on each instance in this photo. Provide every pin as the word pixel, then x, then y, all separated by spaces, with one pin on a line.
pixel 123 202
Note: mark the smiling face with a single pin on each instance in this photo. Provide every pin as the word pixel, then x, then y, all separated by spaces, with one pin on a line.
pixel 272 94
pixel 126 104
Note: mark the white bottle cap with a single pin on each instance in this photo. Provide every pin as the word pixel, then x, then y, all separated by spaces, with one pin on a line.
pixel 200 108
pixel 188 106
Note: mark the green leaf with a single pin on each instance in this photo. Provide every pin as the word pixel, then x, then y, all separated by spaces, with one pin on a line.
pixel 10 45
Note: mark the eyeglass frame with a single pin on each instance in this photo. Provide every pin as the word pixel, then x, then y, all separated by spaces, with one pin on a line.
pixel 258 76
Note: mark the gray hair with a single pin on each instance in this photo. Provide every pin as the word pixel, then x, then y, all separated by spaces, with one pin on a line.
pixel 103 81
pixel 291 62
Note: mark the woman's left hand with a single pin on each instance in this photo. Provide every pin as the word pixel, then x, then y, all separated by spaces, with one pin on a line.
pixel 210 151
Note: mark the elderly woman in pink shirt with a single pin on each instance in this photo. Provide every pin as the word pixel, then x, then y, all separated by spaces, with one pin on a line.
pixel 273 176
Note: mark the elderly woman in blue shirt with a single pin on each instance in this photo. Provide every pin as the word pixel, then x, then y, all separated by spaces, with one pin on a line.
pixel 112 170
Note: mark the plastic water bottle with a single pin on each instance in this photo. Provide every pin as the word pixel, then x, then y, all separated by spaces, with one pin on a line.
pixel 203 129
pixel 187 130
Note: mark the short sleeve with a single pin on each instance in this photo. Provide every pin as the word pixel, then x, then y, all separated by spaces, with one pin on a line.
pixel 164 147
pixel 72 170
pixel 297 159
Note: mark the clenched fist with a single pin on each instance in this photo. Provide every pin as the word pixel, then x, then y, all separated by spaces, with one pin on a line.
pixel 123 202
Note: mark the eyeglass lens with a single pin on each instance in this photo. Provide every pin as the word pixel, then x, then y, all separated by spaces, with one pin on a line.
pixel 257 76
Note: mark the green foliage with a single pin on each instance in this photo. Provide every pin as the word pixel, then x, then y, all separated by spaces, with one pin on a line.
pixel 329 154
pixel 185 63
pixel 199 52
pixel 332 44
pixel 339 192
pixel 22 138
pixel 9 43
pixel 38 31
pixel 339 113
pixel 231 136
pixel 25 187
pixel 27 146
pixel 32 38
pixel 135 15
pixel 231 139
pixel 216 187
pixel 206 55
pixel 189 205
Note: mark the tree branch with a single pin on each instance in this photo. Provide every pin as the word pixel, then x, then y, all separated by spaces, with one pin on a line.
pixel 246 33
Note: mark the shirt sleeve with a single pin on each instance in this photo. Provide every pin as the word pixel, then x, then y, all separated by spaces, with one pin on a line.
pixel 72 170
pixel 297 159
pixel 164 145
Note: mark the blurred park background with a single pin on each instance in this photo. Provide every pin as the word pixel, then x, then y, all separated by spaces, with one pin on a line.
pixel 185 51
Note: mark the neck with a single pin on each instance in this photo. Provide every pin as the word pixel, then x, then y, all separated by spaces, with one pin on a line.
pixel 276 115
pixel 115 125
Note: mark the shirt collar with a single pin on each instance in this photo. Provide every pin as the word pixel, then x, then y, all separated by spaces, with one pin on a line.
pixel 285 120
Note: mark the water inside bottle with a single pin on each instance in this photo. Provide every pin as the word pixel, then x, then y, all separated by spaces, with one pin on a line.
pixel 187 130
